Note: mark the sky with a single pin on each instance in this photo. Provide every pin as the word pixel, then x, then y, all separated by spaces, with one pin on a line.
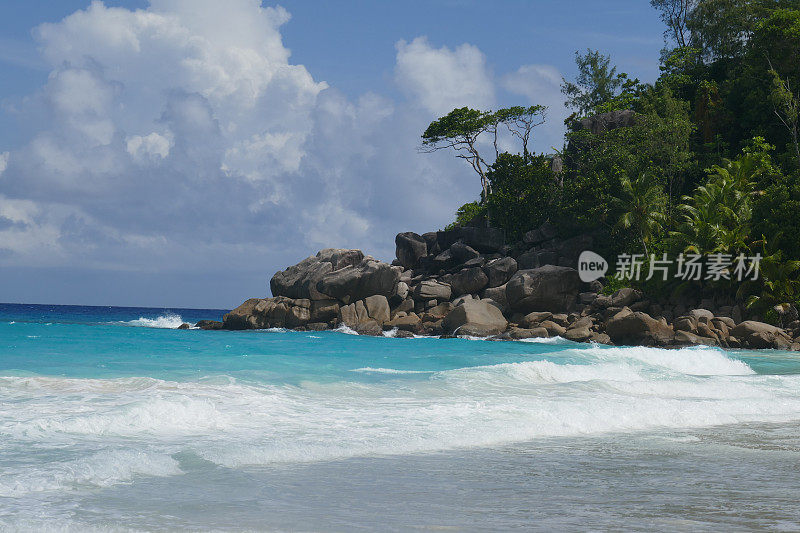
pixel 176 153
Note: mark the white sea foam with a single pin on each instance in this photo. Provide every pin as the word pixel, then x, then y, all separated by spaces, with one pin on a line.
pixel 346 330
pixel 546 340
pixel 584 391
pixel 165 321
pixel 101 469
pixel 370 370
pixel 696 360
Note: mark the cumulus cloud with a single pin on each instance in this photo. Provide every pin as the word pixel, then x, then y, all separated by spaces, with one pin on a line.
pixel 149 147
pixel 181 137
pixel 443 79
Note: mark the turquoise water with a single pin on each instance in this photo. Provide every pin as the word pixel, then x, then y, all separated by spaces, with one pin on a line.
pixel 112 419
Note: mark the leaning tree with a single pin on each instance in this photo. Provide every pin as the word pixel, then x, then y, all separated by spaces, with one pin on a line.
pixel 461 130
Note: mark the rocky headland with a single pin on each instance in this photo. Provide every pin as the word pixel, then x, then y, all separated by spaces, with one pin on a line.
pixel 468 281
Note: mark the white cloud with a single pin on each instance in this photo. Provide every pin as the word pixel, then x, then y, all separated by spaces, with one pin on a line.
pixel 443 79
pixel 182 137
pixel 541 85
pixel 148 148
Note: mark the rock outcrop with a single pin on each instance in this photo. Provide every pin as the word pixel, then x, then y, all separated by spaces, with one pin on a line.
pixel 300 280
pixel 547 288
pixel 475 317
pixel 469 281
pixel 410 248
pixel 356 282
pixel 628 327
pixel 322 291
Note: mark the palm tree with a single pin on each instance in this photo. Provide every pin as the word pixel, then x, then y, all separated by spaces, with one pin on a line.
pixel 716 218
pixel 777 286
pixel 642 202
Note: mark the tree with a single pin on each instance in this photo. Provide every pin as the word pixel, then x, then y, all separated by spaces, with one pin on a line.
pixel 642 201
pixel 523 193
pixel 467 213
pixel 777 287
pixel 597 82
pixel 675 14
pixel 786 105
pixel 520 122
pixel 717 217
pixel 460 130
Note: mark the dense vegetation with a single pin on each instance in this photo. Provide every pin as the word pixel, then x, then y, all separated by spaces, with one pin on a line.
pixel 708 162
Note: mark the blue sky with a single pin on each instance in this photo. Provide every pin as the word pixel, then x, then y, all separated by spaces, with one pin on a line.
pixel 178 155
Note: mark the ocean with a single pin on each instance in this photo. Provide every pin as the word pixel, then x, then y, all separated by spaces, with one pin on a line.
pixel 111 419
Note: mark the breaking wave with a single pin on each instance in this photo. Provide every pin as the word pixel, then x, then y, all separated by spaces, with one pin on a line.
pixel 165 321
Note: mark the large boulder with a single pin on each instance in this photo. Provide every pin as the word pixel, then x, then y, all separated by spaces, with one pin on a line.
pixel 324 310
pixel 461 253
pixel 262 313
pixel 432 290
pixel 536 259
pixel 570 249
pixel 372 309
pixel 353 283
pixel 545 232
pixel 242 316
pixel 300 280
pixel 410 322
pixel 497 295
pixel 467 281
pixel 625 296
pixel 605 122
pixel 499 271
pixel 638 328
pixel 548 288
pixel 209 325
pixel 475 317
pixel 760 335
pixel 377 308
pixel 340 257
pixel 410 247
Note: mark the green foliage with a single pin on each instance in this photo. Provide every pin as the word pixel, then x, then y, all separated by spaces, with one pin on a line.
pixel 787 108
pixel 461 129
pixel 614 284
pixel 717 217
pixel 597 83
pixel 777 212
pixel 710 164
pixel 523 193
pixel 466 214
pixel 675 14
pixel 643 204
pixel 777 285
pixel 656 146
pixel 458 124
